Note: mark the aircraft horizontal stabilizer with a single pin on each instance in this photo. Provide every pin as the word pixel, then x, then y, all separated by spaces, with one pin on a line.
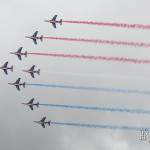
pixel 49 123
pixel 60 21
pixel 23 84
pixel 11 68
pixel 38 72
pixel 25 54
pixel 37 104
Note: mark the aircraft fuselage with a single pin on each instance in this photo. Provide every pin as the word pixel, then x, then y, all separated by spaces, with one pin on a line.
pixel 40 122
pixel 16 84
pixel 30 71
pixel 32 37
pixel 30 104
pixel 5 68
pixel 53 21
pixel 16 53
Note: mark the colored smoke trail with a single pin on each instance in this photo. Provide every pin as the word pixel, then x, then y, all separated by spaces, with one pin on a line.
pixel 101 41
pixel 101 126
pixel 101 58
pixel 102 109
pixel 102 89
pixel 112 24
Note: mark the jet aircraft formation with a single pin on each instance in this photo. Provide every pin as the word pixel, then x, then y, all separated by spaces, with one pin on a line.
pixel 31 70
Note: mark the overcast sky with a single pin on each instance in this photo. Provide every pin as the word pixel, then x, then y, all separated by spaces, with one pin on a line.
pixel 22 17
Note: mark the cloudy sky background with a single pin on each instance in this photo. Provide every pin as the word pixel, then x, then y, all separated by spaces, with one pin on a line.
pixel 20 18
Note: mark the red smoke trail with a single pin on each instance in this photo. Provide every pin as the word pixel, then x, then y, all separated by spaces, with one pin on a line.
pixel 101 58
pixel 101 41
pixel 113 24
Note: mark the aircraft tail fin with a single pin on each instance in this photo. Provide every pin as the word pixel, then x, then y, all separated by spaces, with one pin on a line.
pixel 38 72
pixel 11 68
pixel 41 38
pixel 24 84
pixel 25 54
pixel 60 21
pixel 37 104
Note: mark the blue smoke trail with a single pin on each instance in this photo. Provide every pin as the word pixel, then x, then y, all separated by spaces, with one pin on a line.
pixel 102 126
pixel 108 109
pixel 104 89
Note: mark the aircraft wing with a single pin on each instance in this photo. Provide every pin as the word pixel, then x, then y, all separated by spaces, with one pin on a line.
pixel 31 107
pixel 18 80
pixel 43 119
pixel 19 56
pixel 19 50
pixel 43 125
pixel 5 70
pixel 32 68
pixel 31 101
pixel 32 74
pixel 35 42
pixel 54 25
pixel 18 88
pixel 35 34
pixel 54 18
pixel 6 63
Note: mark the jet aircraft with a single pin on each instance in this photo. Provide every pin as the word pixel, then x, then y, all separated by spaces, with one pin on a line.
pixel 53 21
pixel 34 37
pixel 31 104
pixel 42 122
pixel 17 84
pixel 32 71
pixel 5 68
pixel 19 53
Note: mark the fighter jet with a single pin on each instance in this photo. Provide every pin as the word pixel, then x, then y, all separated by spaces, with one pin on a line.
pixel 31 104
pixel 5 68
pixel 42 122
pixel 53 21
pixel 34 37
pixel 17 84
pixel 19 53
pixel 32 71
